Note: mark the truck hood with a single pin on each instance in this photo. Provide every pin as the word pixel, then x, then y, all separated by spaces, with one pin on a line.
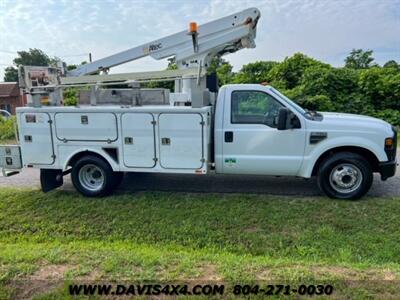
pixel 333 116
pixel 352 122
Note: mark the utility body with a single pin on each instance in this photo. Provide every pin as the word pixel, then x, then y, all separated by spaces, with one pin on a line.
pixel 239 129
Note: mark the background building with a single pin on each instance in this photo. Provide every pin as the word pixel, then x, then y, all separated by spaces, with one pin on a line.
pixel 11 97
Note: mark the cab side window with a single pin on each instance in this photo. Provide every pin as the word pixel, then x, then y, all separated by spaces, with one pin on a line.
pixel 254 107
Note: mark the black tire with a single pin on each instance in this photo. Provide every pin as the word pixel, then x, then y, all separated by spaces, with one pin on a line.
pixel 97 166
pixel 332 174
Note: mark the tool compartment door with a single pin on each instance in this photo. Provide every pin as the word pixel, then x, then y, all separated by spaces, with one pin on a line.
pixel 138 140
pixel 93 127
pixel 36 139
pixel 181 140
pixel 10 157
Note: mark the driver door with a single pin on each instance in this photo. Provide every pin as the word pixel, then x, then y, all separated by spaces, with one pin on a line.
pixel 252 144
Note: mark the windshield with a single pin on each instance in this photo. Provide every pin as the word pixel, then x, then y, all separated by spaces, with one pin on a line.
pixel 290 102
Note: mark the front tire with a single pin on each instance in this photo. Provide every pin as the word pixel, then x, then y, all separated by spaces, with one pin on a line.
pixel 93 176
pixel 345 175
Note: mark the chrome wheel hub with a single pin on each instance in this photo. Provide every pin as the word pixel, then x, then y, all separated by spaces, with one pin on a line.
pixel 91 177
pixel 345 178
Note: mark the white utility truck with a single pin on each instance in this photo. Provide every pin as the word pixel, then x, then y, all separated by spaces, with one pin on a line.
pixel 119 127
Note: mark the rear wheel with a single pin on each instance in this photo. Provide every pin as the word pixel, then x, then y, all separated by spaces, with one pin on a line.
pixel 93 176
pixel 345 175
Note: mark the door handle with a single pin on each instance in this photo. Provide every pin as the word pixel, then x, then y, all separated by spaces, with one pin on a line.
pixel 165 141
pixel 228 136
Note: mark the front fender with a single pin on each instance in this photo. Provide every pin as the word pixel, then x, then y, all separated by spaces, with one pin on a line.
pixel 319 149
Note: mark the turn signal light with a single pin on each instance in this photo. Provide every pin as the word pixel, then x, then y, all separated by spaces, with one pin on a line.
pixel 389 143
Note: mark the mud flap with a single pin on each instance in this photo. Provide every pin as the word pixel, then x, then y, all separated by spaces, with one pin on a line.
pixel 50 179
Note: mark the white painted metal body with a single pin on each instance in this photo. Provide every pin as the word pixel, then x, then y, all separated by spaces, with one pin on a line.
pixel 134 133
pixel 170 139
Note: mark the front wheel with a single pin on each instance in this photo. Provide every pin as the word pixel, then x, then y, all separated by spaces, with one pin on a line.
pixel 93 176
pixel 345 175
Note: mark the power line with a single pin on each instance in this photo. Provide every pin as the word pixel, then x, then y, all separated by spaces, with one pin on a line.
pixel 10 52
pixel 68 55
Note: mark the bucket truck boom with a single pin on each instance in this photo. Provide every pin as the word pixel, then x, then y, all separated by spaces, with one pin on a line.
pixel 190 48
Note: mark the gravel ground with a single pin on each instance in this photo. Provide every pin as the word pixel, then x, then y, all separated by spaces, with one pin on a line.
pixel 214 183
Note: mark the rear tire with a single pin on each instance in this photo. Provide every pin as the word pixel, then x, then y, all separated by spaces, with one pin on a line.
pixel 93 176
pixel 345 175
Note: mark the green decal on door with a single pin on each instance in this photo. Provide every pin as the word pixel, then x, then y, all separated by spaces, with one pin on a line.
pixel 230 161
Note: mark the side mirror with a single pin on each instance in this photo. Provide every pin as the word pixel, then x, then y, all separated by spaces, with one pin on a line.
pixel 287 119
pixel 282 118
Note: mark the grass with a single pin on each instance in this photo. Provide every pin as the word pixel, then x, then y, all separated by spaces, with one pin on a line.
pixel 8 142
pixel 155 236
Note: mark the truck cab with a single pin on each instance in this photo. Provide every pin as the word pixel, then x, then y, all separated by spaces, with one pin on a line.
pixel 260 131
pixel 247 139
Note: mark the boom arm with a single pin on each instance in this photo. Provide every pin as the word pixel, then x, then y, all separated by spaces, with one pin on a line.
pixel 225 35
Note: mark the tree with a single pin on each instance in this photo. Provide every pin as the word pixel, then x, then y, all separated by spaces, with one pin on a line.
pixel 317 102
pixel 162 84
pixel 392 64
pixel 33 57
pixel 332 82
pixel 288 73
pixel 225 74
pixel 172 65
pixel 359 59
pixel 256 72
pixel 339 85
pixel 70 96
pixel 11 74
pixel 382 87
pixel 222 68
pixel 216 62
pixel 73 67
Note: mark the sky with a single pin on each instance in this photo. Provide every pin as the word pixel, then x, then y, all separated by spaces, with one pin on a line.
pixel 324 29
